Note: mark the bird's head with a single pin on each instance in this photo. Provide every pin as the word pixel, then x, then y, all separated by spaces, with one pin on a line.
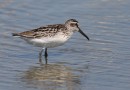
pixel 72 25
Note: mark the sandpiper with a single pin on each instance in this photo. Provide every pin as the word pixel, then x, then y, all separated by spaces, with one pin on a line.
pixel 50 36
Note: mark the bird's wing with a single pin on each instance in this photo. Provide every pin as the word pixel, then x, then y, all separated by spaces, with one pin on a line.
pixel 45 31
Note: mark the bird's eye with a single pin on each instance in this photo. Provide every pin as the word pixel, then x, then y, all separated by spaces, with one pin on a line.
pixel 73 24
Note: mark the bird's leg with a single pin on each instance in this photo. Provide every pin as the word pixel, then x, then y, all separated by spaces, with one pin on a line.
pixel 45 54
pixel 40 56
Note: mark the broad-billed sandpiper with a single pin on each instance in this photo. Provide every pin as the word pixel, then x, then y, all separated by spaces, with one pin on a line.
pixel 50 36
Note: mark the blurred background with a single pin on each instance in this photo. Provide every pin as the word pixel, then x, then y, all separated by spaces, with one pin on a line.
pixel 98 64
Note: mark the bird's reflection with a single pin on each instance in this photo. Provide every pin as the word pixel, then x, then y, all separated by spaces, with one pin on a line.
pixel 51 77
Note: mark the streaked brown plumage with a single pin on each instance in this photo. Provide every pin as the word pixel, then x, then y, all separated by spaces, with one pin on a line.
pixel 51 35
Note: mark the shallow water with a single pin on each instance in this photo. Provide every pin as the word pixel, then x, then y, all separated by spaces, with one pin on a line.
pixel 98 64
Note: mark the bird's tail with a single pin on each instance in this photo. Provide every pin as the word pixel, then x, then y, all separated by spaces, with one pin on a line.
pixel 15 34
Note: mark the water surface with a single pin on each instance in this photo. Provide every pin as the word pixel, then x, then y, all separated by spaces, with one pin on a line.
pixel 98 64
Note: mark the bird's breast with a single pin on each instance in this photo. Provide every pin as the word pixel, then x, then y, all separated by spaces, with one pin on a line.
pixel 54 41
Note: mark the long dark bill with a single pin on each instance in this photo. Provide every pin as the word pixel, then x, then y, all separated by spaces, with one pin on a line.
pixel 83 33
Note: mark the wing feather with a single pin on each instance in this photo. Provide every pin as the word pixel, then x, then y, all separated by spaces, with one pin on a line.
pixel 41 31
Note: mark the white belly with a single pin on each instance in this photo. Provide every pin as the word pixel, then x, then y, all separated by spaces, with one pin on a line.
pixel 49 42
